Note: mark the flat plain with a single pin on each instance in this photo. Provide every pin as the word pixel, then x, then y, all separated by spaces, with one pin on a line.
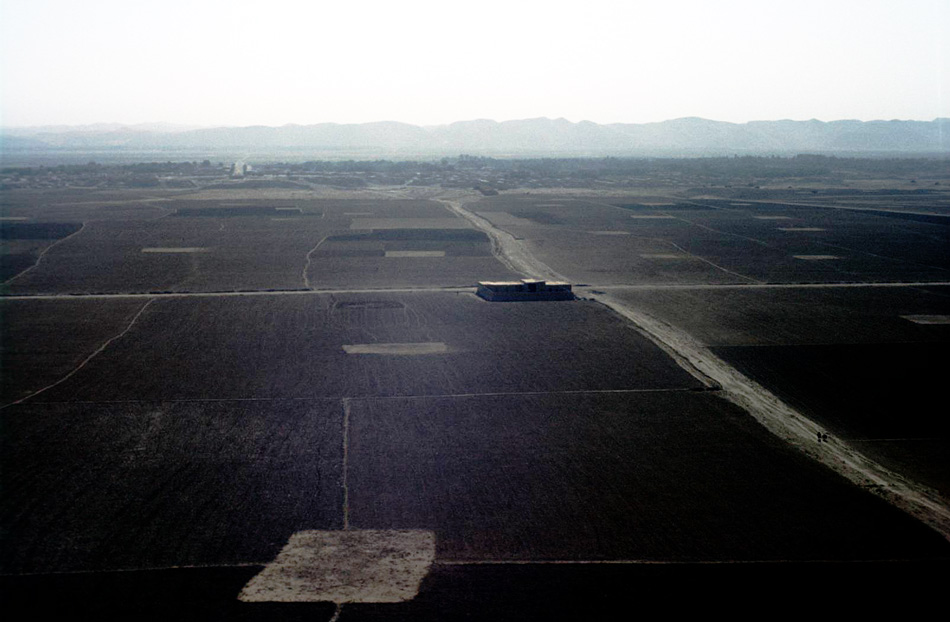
pixel 161 443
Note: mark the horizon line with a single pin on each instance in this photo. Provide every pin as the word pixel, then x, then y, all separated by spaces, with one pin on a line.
pixel 188 127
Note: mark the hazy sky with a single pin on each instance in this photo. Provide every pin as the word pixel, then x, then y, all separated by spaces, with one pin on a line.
pixel 272 62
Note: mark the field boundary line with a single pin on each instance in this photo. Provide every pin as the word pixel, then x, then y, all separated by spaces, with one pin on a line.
pixel 306 267
pixel 42 254
pixel 714 265
pixel 665 562
pixel 849 208
pixel 86 360
pixel 251 292
pixel 465 289
pixel 334 398
pixel 791 426
pixel 688 286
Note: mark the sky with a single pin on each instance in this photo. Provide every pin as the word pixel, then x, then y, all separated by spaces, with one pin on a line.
pixel 274 62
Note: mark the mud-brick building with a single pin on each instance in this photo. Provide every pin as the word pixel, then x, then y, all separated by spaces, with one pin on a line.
pixel 525 289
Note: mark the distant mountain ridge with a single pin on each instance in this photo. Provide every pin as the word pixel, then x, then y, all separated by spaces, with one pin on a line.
pixel 526 137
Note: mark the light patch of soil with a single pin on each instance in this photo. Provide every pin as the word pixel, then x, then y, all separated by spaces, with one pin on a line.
pixel 360 566
pixel 176 249
pixel 397 349
pixel 415 253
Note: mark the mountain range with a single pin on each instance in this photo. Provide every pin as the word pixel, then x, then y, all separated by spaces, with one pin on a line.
pixel 689 136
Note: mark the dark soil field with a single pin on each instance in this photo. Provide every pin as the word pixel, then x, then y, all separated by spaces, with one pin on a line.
pixel 233 245
pixel 882 398
pixel 156 451
pixel 291 346
pixel 847 357
pixel 133 485
pixel 43 340
pixel 556 477
pixel 720 241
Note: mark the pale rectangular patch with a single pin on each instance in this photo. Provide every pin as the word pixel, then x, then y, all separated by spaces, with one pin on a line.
pixel 928 319
pixel 397 349
pixel 176 249
pixel 651 216
pixel 415 253
pixel 360 566
pixel 664 256
pixel 14 218
pixel 815 257
pixel 609 232
pixel 408 223
pixel 742 204
pixel 772 217
pixel 800 229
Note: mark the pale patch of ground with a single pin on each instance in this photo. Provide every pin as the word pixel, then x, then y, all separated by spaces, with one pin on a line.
pixel 928 319
pixel 803 229
pixel 664 256
pixel 360 566
pixel 13 218
pixel 176 249
pixel 815 257
pixel 415 253
pixel 651 216
pixel 397 349
pixel 609 232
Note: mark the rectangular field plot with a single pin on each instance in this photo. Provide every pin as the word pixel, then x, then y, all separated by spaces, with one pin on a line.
pixel 405 257
pixel 176 249
pixel 153 485
pixel 292 346
pixel 649 476
pixel 799 316
pixel 414 253
pixel 176 254
pixel 397 349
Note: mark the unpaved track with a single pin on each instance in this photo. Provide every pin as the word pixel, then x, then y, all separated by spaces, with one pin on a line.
pixel 776 416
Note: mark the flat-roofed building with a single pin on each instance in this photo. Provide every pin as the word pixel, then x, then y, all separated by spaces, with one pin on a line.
pixel 525 289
